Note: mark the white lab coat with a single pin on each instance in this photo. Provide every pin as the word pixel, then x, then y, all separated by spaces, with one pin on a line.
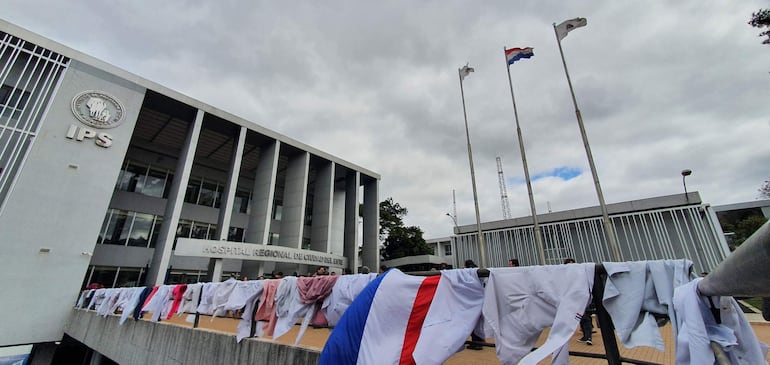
pixel 345 290
pixel 221 295
pixel 97 298
pixel 158 302
pixel 635 290
pixel 206 305
pixel 519 303
pixel 130 303
pixel 455 311
pixel 697 327
pixel 191 298
pixel 288 307
pixel 250 301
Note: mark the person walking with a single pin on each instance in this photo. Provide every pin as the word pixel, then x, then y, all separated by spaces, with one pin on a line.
pixel 474 337
pixel 586 319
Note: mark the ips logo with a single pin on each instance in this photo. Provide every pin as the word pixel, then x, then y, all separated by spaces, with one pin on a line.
pixel 95 109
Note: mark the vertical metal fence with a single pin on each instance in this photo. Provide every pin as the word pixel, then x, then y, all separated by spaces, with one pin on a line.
pixel 28 76
pixel 690 232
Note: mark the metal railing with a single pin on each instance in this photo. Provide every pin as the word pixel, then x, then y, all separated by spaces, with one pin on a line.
pixel 746 272
pixel 690 232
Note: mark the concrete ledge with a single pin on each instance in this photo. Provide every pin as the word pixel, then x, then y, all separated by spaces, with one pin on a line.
pixel 143 342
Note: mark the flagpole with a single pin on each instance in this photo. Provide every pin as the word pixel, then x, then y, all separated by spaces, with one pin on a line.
pixel 608 230
pixel 538 234
pixel 482 244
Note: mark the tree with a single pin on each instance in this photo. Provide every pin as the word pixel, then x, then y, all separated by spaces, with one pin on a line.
pixel 398 240
pixel 761 19
pixel 743 229
pixel 391 216
pixel 764 189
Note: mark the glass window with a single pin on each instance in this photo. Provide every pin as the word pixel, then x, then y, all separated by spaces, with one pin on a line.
pixel 183 229
pixel 104 226
pixel 213 232
pixel 132 178
pixel 127 277
pixel 208 194
pixel 182 277
pixel 117 229
pixel 235 234
pixel 277 212
pixel 140 232
pixel 5 94
pixel 155 183
pixel 104 276
pixel 241 203
pixel 125 232
pixel 448 250
pixel 273 240
pixel 200 230
pixel 14 99
pixel 167 187
pixel 155 231
pixel 86 280
pixel 193 189
pixel 218 195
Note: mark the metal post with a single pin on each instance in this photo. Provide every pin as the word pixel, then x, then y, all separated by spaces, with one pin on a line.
pixel 745 272
pixel 454 220
pixel 482 244
pixel 538 234
pixel 685 185
pixel 608 230
pixel 686 173
pixel 605 322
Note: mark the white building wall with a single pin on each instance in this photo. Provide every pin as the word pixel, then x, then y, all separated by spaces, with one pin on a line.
pixel 58 204
pixel 52 218
pixel 336 245
pixel 322 208
pixel 294 199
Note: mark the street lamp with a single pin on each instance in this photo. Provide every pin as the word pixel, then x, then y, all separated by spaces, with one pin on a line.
pixel 686 173
pixel 454 219
pixel 452 240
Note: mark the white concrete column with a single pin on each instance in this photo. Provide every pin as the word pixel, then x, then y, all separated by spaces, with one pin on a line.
pixel 351 219
pixel 262 195
pixel 370 255
pixel 162 254
pixel 215 270
pixel 323 204
pixel 294 201
pixel 337 241
pixel 226 207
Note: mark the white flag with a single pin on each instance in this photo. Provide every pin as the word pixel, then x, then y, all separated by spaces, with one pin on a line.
pixel 465 71
pixel 568 25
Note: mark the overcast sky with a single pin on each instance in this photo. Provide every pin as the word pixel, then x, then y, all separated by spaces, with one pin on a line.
pixel 662 86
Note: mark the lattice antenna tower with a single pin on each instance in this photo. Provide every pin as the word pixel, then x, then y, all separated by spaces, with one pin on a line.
pixel 503 191
pixel 454 204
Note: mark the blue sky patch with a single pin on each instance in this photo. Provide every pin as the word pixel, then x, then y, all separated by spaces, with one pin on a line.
pixel 564 172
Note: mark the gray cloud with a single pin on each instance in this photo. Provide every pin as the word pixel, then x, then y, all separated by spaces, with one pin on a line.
pixel 662 87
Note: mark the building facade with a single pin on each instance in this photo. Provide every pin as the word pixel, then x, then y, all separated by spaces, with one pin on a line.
pixel 103 174
pixel 441 257
pixel 666 227
pixel 442 247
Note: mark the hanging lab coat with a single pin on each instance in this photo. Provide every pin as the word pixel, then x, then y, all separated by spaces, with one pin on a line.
pixel 696 327
pixel 635 290
pixel 345 290
pixel 519 303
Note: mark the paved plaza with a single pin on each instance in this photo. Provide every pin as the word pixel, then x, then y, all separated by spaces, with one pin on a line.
pixel 316 337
